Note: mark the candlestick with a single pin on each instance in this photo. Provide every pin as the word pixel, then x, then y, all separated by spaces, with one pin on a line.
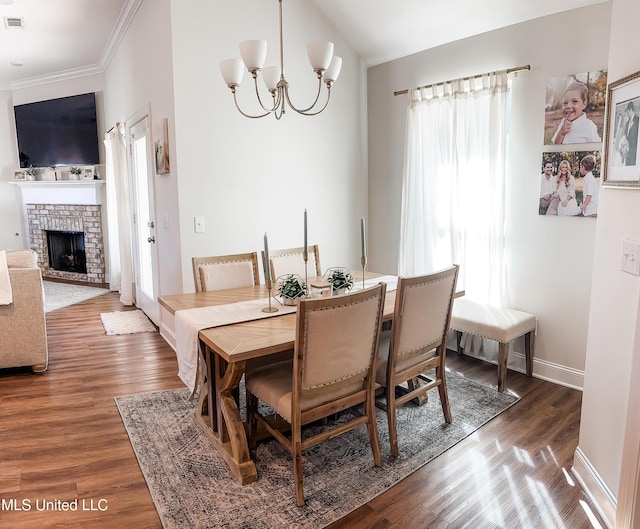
pixel 363 239
pixel 305 255
pixel 305 250
pixel 269 308
pixel 267 265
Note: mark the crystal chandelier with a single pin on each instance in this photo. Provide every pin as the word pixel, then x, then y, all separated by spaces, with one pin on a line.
pixel 324 63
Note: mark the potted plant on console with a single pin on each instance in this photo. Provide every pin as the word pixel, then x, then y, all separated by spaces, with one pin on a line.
pixel 74 173
pixel 290 288
pixel 32 173
pixel 341 280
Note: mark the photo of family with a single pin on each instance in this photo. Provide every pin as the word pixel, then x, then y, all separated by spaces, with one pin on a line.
pixel 574 108
pixel 570 184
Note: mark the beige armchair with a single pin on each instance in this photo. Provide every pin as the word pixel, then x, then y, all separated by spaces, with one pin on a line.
pixel 23 334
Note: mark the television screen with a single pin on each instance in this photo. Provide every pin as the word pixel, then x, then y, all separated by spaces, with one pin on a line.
pixel 56 132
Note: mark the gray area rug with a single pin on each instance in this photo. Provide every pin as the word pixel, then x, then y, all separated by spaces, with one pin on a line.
pixel 58 295
pixel 192 487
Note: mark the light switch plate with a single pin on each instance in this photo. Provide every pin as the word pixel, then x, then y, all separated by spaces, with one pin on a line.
pixel 631 257
pixel 198 224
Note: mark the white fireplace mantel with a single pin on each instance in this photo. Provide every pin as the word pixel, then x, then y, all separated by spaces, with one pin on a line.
pixel 81 192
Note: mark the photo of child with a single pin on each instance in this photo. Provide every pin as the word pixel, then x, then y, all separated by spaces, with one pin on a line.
pixel 574 111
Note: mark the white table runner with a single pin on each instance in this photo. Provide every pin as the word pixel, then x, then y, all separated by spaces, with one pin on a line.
pixel 189 322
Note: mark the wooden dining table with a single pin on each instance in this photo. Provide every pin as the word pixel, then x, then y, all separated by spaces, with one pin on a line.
pixel 227 351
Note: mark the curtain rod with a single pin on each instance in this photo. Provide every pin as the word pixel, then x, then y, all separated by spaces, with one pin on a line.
pixel 509 70
pixel 116 125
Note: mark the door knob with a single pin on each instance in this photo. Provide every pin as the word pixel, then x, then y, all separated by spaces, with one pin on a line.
pixel 151 239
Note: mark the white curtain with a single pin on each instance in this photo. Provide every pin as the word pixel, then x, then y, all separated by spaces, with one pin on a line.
pixel 454 181
pixel 119 215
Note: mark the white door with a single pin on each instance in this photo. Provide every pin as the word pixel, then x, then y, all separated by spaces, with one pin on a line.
pixel 145 255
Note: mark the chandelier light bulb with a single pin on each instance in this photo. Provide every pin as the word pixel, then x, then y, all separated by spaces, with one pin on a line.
pixel 232 72
pixel 319 53
pixel 271 77
pixel 332 73
pixel 253 53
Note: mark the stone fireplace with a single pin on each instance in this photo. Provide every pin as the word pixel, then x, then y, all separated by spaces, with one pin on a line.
pixel 65 228
pixel 48 223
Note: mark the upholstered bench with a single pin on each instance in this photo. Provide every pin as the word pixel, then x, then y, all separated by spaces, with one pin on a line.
pixel 494 323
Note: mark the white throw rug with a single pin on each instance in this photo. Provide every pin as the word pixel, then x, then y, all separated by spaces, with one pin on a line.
pixel 58 295
pixel 126 322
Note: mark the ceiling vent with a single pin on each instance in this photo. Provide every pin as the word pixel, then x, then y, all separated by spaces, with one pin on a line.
pixel 13 22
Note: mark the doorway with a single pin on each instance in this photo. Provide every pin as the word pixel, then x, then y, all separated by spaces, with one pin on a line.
pixel 145 254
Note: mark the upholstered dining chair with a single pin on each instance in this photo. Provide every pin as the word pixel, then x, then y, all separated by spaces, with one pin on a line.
pixel 333 369
pixel 291 261
pixel 416 343
pixel 225 271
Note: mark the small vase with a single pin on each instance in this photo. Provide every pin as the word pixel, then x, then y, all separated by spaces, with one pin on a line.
pixel 339 291
pixel 288 301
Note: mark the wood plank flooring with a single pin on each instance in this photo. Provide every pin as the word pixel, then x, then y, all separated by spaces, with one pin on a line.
pixel 62 439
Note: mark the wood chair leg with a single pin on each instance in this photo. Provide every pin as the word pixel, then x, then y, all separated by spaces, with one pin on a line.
pixel 252 421
pixel 391 420
pixel 372 428
pixel 444 396
pixel 458 340
pixel 296 454
pixel 503 355
pixel 528 349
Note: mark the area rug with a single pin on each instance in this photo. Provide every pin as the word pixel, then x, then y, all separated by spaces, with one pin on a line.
pixel 192 487
pixel 126 322
pixel 58 295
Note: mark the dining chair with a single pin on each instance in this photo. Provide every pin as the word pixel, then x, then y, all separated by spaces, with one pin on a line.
pixel 225 271
pixel 291 261
pixel 416 343
pixel 333 369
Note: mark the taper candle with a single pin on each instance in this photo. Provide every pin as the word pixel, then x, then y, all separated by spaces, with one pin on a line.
pixel 363 239
pixel 267 264
pixel 306 247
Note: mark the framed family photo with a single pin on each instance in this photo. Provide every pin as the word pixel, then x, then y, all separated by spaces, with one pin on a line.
pixel 622 162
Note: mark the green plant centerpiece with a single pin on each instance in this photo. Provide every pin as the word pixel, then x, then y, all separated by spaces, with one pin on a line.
pixel 290 288
pixel 32 173
pixel 341 280
pixel 75 171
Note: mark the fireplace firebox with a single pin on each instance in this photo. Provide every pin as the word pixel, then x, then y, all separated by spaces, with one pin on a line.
pixel 66 251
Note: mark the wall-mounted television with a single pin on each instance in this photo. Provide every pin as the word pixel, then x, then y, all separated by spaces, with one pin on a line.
pixel 55 132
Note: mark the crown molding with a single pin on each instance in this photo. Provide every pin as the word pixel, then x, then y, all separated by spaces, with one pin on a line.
pixel 127 13
pixel 62 75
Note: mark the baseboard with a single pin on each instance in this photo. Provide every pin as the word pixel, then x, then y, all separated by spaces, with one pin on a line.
pixel 551 372
pixel 595 488
pixel 167 333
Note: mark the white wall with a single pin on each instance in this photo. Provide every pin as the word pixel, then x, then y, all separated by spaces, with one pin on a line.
pixel 549 258
pixel 613 344
pixel 140 76
pixel 248 177
pixel 12 235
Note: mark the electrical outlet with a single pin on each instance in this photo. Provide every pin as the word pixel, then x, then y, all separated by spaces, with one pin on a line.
pixel 165 221
pixel 631 257
pixel 198 224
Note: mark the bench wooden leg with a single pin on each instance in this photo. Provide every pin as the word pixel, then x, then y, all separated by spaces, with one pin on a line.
pixel 528 350
pixel 503 355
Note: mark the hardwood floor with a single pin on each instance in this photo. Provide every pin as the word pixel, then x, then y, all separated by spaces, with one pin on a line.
pixel 62 439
